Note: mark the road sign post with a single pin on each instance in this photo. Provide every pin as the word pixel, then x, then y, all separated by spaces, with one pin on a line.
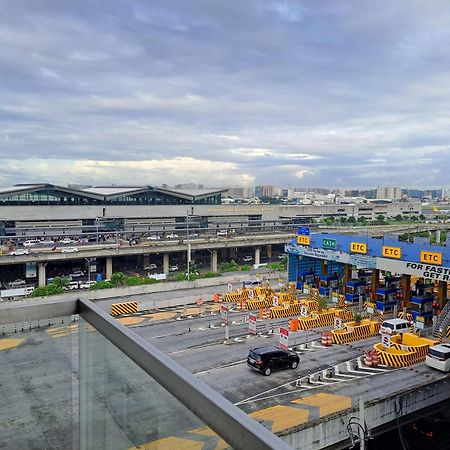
pixel 224 317
pixel 284 339
pixel 252 323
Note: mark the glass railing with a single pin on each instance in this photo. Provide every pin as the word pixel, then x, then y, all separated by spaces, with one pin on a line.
pixel 82 380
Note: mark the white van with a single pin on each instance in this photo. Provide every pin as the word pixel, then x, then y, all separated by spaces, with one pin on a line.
pixel 31 243
pixel 395 326
pixel 439 357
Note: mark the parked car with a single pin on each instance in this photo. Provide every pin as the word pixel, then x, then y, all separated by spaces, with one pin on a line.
pixel 31 243
pixel 20 251
pixel 83 241
pixel 86 284
pixel 267 359
pixel 150 267
pixel 69 250
pixel 173 268
pixel 171 236
pixel 191 235
pixel 154 238
pixel 47 242
pixel 247 258
pixel 222 233
pixel 76 274
pixel 66 241
pixel 72 286
pixel 17 283
pixel 438 357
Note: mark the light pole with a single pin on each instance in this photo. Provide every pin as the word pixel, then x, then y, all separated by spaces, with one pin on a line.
pixel 96 229
pixel 188 246
pixel 88 260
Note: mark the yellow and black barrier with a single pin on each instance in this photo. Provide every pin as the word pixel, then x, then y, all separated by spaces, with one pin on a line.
pixel 277 312
pixel 231 297
pixel 406 349
pixel 118 309
pixel 409 317
pixel 356 332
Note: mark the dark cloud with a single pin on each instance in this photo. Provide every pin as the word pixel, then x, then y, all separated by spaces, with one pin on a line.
pixel 283 92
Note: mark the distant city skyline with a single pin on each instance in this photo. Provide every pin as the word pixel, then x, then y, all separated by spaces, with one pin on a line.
pixel 280 92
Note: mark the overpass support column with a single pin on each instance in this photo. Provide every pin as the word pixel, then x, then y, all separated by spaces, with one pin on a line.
pixel 375 282
pixel 406 289
pixel 166 263
pixel 214 261
pixel 442 294
pixel 109 268
pixel 257 255
pixel 41 274
pixel 269 251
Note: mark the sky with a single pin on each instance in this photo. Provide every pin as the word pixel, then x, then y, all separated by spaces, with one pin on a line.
pixel 225 92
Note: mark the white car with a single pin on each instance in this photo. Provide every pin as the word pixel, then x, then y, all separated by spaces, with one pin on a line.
pixel 66 241
pixel 151 267
pixel 154 238
pixel 76 274
pixel 31 243
pixel 171 236
pixel 222 233
pixel 191 235
pixel 86 284
pixel 47 242
pixel 69 250
pixel 247 258
pixel 20 251
pixel 173 268
pixel 17 283
pixel 73 285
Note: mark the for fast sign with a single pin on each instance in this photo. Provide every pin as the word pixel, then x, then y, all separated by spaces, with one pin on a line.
pixel 391 252
pixel 303 240
pixel 358 247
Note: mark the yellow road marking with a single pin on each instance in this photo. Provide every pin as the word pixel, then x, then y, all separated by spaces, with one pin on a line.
pixel 160 315
pixel 206 431
pixel 5 344
pixel 192 311
pixel 130 320
pixel 327 403
pixel 282 417
pixel 170 443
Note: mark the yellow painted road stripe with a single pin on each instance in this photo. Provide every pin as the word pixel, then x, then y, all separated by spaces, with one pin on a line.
pixel 327 403
pixel 171 443
pixel 206 431
pixel 6 344
pixel 282 417
pixel 160 315
pixel 130 320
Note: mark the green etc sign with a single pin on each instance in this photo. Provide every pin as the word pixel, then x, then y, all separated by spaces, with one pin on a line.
pixel 329 243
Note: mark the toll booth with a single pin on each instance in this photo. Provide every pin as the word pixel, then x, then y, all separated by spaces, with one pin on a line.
pixel 366 276
pixel 393 282
pixel 327 282
pixel 308 278
pixel 386 299
pixel 354 289
pixel 423 289
pixel 422 308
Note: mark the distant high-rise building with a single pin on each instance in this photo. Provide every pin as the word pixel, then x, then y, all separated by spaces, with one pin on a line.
pixel 240 192
pixel 389 192
pixel 189 186
pixel 266 190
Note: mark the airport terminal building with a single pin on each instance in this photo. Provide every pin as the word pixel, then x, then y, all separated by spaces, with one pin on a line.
pixel 28 209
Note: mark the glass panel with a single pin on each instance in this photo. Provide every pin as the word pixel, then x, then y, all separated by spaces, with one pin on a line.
pixel 122 407
pixel 39 401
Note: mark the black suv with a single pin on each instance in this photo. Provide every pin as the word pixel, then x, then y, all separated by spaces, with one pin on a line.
pixel 266 359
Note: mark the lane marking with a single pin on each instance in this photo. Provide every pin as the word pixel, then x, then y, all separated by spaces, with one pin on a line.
pixel 281 417
pixel 170 443
pixel 6 344
pixel 327 403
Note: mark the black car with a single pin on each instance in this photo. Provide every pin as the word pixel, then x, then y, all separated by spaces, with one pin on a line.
pixel 266 359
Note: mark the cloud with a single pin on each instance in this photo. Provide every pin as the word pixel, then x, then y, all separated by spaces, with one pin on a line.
pixel 277 92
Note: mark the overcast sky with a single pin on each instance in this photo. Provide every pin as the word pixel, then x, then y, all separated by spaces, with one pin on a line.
pixel 225 92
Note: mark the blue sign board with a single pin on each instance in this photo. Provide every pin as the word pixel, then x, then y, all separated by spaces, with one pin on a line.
pixel 99 277
pixel 303 231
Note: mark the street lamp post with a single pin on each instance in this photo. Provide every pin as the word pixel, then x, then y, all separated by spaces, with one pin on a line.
pixel 88 260
pixel 188 246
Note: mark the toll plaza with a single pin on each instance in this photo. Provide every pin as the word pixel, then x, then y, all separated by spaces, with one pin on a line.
pixel 383 273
